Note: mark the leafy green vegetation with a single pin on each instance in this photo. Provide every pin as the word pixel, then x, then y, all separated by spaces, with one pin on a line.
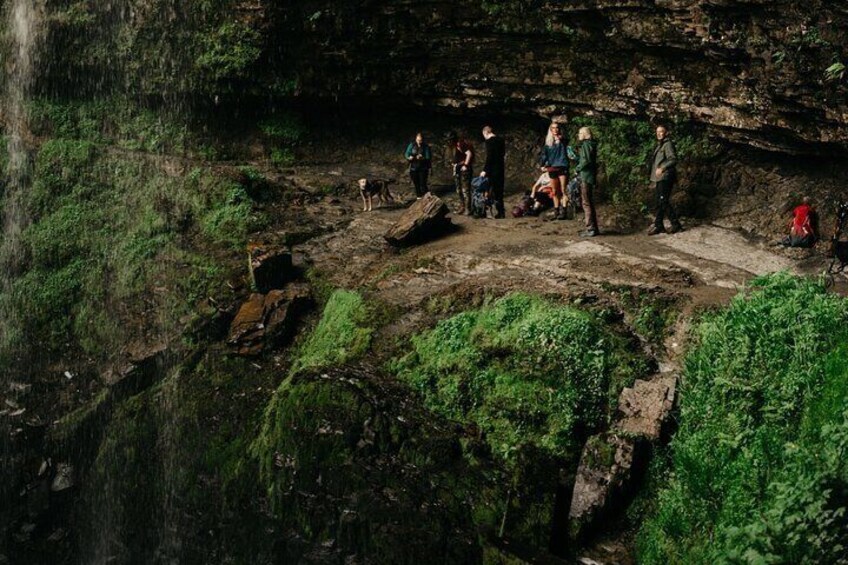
pixel 534 378
pixel 759 472
pixel 625 148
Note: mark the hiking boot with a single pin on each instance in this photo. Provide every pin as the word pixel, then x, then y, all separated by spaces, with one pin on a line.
pixel 588 233
pixel 561 214
pixel 654 230
pixel 676 227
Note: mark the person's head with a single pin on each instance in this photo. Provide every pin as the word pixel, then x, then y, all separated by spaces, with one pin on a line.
pixel 806 200
pixel 362 183
pixel 419 138
pixel 584 133
pixel 554 133
pixel 488 132
pixel 662 132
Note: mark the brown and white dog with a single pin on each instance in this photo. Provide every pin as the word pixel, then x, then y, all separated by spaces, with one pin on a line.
pixel 368 189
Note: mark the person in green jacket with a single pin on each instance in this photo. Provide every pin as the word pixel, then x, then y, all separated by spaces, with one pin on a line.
pixel 664 175
pixel 587 168
pixel 420 157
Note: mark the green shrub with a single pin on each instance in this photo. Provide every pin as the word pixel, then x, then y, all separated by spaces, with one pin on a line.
pixel 230 51
pixel 625 147
pixel 758 468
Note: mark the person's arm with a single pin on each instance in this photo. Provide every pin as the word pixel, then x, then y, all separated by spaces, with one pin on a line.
pixel 582 158
pixel 543 158
pixel 408 152
pixel 468 156
pixel 428 153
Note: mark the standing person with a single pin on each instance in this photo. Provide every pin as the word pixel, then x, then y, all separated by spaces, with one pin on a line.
pixel 495 168
pixel 664 174
pixel 420 157
pixel 462 162
pixel 554 160
pixel 587 168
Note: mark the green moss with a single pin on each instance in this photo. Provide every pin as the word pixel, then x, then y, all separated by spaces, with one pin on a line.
pixel 758 466
pixel 110 225
pixel 341 335
pixel 534 378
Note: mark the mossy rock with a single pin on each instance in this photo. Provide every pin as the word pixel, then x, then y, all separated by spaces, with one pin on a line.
pixel 355 470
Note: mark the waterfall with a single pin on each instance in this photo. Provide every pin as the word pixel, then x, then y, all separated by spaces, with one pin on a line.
pixel 23 31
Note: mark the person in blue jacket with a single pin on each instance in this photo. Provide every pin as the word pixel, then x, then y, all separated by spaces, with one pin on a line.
pixel 420 158
pixel 554 160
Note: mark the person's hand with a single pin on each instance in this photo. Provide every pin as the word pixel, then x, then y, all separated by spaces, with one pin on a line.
pixel 659 171
pixel 482 173
pixel 464 168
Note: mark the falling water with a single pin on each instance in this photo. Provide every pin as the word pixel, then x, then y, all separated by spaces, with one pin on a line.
pixel 21 43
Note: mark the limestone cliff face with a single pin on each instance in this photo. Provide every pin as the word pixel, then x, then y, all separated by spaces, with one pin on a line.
pixel 753 70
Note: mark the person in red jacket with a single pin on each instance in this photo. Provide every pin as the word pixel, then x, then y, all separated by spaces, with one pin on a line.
pixel 803 231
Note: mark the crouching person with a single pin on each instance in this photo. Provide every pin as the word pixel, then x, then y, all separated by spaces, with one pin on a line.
pixel 803 232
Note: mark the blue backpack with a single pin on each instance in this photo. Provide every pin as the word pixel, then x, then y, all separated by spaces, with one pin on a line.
pixel 480 187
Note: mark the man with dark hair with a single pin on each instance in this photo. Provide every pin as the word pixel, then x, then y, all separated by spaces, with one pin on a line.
pixel 664 174
pixel 495 168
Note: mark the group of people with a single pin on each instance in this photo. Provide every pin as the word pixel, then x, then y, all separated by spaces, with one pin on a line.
pixel 420 158
pixel 551 189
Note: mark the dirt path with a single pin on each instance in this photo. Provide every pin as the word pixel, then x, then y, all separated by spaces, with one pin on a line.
pixel 707 263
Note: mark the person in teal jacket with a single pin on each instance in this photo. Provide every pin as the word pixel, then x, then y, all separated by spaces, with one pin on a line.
pixel 420 158
pixel 587 168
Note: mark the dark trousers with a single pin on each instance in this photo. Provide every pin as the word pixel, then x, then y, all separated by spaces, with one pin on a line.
pixel 419 181
pixel 462 182
pixel 498 194
pixel 587 195
pixel 664 206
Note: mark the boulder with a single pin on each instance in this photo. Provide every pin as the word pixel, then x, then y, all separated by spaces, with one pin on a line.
pixel 63 479
pixel 269 268
pixel 424 220
pixel 267 319
pixel 646 407
pixel 603 475
pixel 611 462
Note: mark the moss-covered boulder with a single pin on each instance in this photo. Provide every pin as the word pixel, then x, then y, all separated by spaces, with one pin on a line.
pixel 355 469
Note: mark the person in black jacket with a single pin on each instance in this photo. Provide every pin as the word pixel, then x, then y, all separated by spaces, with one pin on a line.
pixel 495 168
pixel 664 174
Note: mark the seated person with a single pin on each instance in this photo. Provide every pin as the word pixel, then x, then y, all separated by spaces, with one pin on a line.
pixel 542 194
pixel 803 232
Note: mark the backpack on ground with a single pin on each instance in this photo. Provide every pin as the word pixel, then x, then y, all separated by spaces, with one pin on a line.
pixel 524 207
pixel 480 188
pixel 574 194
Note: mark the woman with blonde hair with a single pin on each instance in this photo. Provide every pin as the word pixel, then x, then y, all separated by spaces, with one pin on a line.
pixel 554 160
